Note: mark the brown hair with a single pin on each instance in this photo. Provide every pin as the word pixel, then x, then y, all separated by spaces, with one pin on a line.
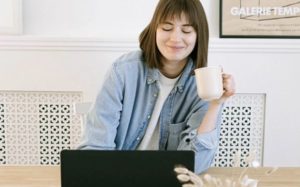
pixel 165 9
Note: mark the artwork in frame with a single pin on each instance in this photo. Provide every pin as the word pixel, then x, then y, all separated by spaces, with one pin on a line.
pixel 10 17
pixel 260 18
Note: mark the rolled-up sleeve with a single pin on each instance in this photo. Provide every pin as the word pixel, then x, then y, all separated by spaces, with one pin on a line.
pixel 204 145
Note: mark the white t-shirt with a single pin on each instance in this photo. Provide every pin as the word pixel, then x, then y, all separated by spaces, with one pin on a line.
pixel 151 139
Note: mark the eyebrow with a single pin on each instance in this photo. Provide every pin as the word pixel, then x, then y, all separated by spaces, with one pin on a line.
pixel 170 23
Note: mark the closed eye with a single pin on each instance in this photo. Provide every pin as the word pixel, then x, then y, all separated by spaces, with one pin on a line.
pixel 166 29
pixel 186 32
pixel 187 29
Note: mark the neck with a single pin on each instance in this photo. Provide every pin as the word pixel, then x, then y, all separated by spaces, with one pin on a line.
pixel 173 69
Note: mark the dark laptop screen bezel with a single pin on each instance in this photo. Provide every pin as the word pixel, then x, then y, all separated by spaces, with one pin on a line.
pixel 95 168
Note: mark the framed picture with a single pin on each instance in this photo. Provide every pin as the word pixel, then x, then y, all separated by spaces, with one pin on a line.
pixel 11 17
pixel 260 18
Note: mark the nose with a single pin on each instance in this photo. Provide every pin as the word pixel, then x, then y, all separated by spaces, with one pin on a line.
pixel 175 35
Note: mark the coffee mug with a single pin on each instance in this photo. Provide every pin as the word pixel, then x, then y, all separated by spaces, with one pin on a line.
pixel 209 82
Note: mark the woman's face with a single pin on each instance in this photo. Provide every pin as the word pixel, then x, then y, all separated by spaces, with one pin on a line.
pixel 175 40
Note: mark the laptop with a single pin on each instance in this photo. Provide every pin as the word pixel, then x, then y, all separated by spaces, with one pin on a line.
pixel 94 168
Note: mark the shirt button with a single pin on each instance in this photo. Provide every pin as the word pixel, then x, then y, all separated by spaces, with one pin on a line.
pixel 148 116
pixel 155 95
pixel 138 138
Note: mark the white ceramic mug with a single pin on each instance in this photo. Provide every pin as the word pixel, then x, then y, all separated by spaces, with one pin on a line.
pixel 209 82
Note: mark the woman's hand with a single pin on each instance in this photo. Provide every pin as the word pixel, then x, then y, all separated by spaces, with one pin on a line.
pixel 228 87
pixel 210 119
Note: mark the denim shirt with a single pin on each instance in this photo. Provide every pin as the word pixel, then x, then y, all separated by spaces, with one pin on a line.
pixel 123 107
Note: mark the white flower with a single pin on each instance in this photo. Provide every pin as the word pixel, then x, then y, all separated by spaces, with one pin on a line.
pixel 190 179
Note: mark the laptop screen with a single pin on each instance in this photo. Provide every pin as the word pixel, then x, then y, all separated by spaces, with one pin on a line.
pixel 91 168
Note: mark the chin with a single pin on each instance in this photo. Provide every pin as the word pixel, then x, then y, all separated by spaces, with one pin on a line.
pixel 176 59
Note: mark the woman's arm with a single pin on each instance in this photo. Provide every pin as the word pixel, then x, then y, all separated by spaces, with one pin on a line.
pixel 102 121
pixel 210 119
pixel 204 139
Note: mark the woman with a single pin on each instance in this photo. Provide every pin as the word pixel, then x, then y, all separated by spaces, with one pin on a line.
pixel 149 99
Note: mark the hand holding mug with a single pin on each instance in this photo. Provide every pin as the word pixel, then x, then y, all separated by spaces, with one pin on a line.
pixel 213 84
pixel 228 87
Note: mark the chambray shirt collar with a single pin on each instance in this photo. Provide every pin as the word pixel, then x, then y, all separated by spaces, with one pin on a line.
pixel 153 76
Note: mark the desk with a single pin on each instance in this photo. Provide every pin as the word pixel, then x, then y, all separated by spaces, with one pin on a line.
pixel 29 176
pixel 282 177
pixel 49 176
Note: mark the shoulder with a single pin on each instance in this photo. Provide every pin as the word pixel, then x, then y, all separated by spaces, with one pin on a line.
pixel 131 59
pixel 130 65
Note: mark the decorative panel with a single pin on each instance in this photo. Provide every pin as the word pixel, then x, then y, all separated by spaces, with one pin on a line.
pixel 36 126
pixel 242 130
pixel 2 135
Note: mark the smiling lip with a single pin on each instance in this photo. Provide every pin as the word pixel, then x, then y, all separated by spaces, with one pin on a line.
pixel 175 47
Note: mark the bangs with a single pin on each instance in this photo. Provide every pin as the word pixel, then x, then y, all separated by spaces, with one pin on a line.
pixel 175 10
pixel 168 10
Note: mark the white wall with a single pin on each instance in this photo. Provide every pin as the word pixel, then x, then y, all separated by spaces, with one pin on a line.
pixel 116 19
pixel 71 49
pixel 113 19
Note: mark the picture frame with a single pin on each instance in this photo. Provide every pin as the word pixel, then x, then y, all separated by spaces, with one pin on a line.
pixel 259 19
pixel 11 17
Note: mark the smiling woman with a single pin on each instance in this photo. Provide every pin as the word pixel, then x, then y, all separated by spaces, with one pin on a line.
pixel 72 49
pixel 149 100
pixel 175 40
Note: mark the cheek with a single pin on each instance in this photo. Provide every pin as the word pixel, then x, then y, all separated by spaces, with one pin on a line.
pixel 192 40
pixel 157 37
pixel 159 42
pixel 160 37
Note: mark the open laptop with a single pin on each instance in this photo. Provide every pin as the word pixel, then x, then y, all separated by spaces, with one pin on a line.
pixel 91 168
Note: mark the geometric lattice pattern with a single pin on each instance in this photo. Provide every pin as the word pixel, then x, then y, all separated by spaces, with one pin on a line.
pixel 36 126
pixel 242 130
